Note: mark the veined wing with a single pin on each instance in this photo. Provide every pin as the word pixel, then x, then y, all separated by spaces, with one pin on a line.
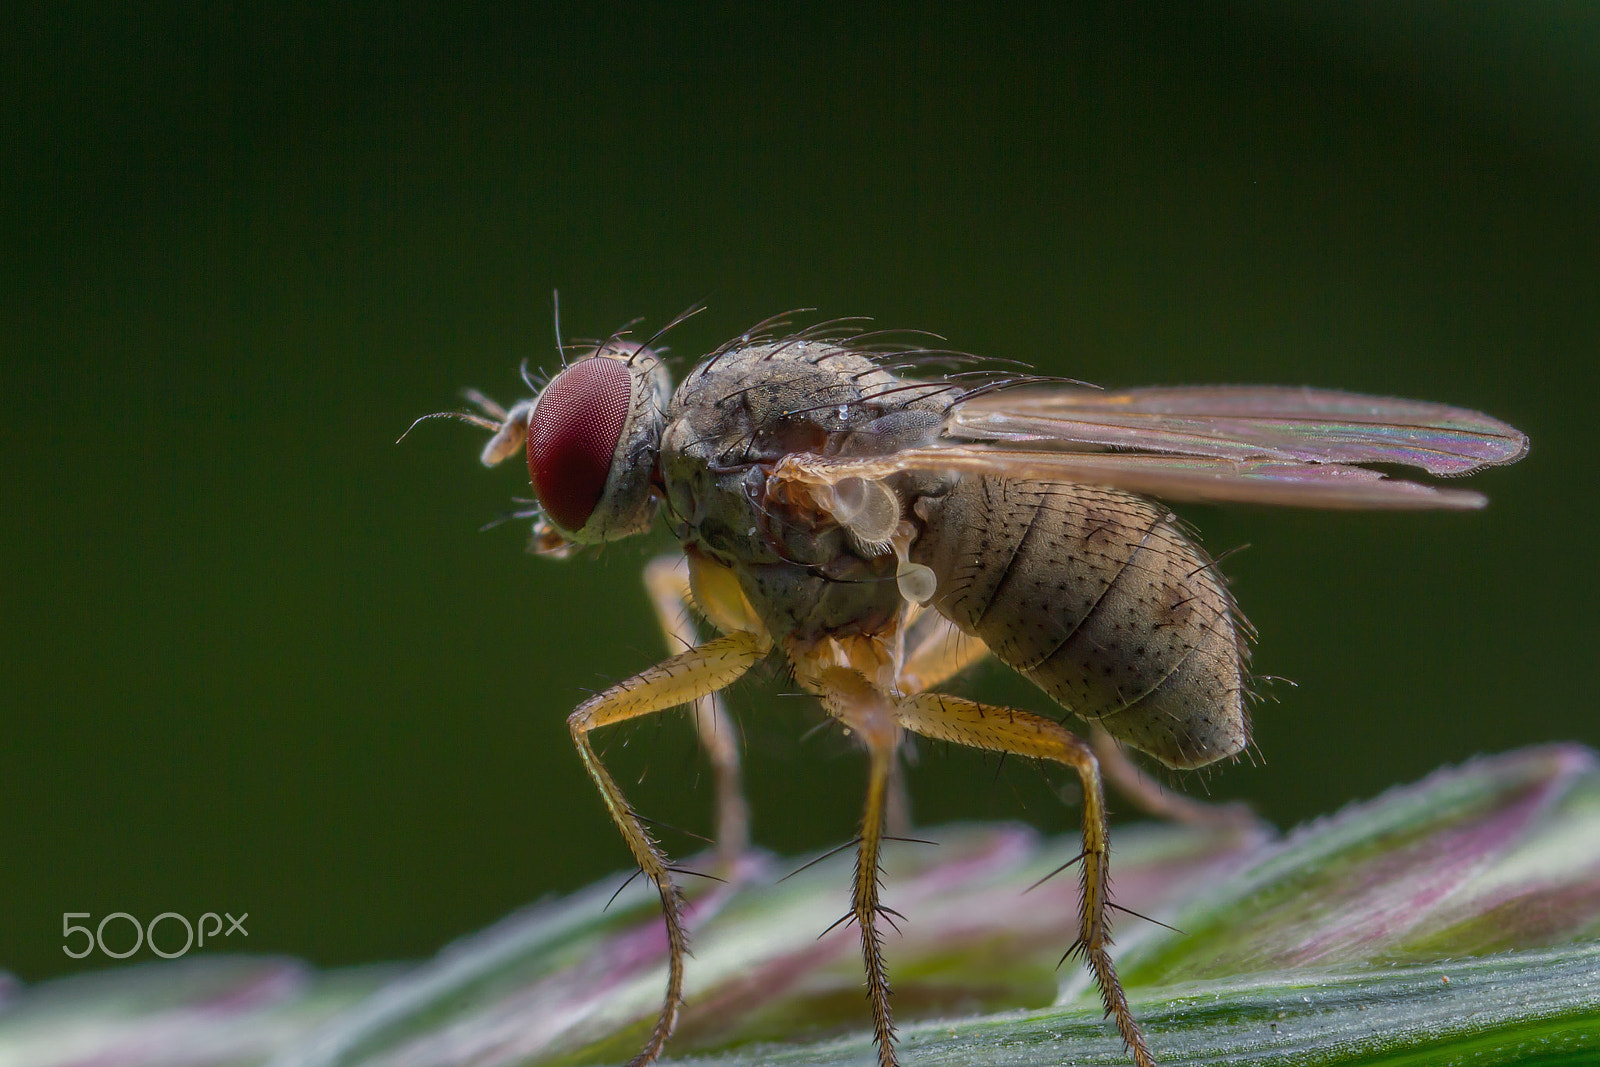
pixel 1268 430
pixel 1170 477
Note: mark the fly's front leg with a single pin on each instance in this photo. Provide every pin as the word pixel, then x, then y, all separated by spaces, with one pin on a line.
pixel 682 679
pixel 868 714
pixel 667 579
pixel 999 729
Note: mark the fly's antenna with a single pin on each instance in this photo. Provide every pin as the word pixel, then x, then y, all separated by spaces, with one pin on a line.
pixel 461 416
pixel 484 404
pixel 492 416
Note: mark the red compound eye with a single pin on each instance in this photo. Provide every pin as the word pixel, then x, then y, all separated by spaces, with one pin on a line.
pixel 573 436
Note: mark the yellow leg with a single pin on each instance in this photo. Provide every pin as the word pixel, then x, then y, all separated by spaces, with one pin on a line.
pixel 936 651
pixel 868 714
pixel 667 579
pixel 999 729
pixel 681 679
pixel 932 651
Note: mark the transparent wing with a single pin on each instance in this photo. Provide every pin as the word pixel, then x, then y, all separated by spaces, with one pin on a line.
pixel 1240 444
pixel 1176 478
pixel 1258 425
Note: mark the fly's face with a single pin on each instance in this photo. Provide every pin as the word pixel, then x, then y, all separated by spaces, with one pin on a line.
pixel 591 436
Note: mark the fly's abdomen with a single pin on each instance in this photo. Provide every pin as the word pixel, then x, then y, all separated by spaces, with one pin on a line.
pixel 1098 598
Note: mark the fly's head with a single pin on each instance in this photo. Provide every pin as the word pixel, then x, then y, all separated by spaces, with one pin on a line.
pixel 592 437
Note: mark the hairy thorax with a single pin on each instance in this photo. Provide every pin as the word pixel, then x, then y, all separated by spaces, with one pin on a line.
pixel 728 426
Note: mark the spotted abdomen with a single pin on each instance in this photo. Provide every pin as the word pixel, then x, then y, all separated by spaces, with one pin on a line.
pixel 1099 598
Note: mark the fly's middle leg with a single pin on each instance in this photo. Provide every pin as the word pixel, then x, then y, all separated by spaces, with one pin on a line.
pixel 999 729
pixel 933 651
pixel 868 714
pixel 681 679
pixel 667 580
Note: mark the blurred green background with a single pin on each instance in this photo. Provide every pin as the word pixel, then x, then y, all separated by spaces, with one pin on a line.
pixel 258 659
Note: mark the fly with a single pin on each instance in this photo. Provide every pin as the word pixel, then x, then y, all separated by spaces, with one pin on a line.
pixel 885 532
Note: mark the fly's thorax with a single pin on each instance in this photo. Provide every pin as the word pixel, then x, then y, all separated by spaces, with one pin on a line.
pixel 803 576
pixel 1099 598
pixel 758 403
pixel 731 421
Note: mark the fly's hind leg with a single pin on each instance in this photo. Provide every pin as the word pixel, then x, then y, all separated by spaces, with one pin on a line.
pixel 999 729
pixel 667 579
pixel 681 679
pixel 1154 798
pixel 937 651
